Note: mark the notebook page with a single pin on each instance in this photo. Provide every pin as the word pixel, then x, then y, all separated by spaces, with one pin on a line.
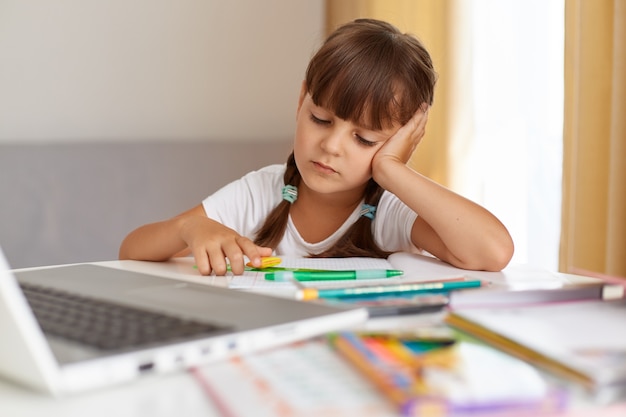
pixel 420 268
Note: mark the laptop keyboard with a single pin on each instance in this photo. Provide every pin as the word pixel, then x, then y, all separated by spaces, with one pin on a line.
pixel 105 325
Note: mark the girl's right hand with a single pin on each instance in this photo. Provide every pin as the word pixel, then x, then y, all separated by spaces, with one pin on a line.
pixel 210 243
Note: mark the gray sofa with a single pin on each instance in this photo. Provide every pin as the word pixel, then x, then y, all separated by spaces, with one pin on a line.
pixel 75 202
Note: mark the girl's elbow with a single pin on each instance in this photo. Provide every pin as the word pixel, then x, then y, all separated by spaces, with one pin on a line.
pixel 492 259
pixel 501 255
pixel 124 254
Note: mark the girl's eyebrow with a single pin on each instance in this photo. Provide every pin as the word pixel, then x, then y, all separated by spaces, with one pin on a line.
pixel 385 134
pixel 322 108
pixel 365 126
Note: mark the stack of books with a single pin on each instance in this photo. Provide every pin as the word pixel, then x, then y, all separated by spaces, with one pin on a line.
pixel 582 341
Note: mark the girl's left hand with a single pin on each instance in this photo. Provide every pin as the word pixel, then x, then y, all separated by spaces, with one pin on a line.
pixel 400 147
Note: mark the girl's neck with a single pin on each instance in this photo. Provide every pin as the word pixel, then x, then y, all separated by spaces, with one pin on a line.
pixel 317 216
pixel 332 201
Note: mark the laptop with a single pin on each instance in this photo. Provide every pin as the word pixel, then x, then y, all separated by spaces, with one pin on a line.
pixel 72 328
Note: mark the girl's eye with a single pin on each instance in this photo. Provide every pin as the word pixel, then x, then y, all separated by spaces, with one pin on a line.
pixel 360 140
pixel 364 141
pixel 319 121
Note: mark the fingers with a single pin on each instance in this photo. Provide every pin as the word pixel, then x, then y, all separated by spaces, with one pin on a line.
pixel 202 261
pixel 248 248
pixel 255 253
pixel 412 131
pixel 423 118
pixel 419 120
pixel 209 260
pixel 400 147
pixel 217 259
pixel 416 127
pixel 234 250
pixel 215 246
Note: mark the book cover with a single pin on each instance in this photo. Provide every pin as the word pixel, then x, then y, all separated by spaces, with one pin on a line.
pixel 581 341
pixel 536 293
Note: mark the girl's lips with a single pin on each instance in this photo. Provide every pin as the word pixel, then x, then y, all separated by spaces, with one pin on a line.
pixel 323 168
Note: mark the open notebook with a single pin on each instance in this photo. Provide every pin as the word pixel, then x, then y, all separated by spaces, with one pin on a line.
pixel 416 268
pixel 515 285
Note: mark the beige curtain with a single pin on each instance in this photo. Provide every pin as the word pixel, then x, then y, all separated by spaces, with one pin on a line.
pixel 439 26
pixel 593 234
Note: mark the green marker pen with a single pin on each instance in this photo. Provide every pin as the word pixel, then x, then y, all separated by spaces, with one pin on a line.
pixel 332 275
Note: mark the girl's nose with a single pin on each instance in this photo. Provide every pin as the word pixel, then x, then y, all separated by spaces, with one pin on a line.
pixel 332 142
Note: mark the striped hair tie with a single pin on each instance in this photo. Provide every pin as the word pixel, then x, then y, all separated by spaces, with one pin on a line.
pixel 290 193
pixel 368 211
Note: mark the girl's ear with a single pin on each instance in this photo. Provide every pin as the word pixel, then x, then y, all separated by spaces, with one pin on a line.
pixel 303 93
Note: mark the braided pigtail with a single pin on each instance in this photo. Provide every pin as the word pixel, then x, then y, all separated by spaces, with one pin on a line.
pixel 272 231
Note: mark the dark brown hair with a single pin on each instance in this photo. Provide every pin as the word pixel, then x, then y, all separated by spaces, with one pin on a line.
pixel 371 74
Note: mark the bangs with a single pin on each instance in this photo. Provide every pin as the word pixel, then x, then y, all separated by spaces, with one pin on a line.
pixel 371 78
pixel 360 97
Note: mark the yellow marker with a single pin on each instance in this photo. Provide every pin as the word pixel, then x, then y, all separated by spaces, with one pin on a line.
pixel 266 262
pixel 305 293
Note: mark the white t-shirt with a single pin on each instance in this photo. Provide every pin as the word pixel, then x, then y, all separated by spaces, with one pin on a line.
pixel 244 204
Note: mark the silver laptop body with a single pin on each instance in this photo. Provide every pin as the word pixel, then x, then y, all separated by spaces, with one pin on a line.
pixel 246 322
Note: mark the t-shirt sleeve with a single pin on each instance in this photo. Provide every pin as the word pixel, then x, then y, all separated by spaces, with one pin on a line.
pixel 393 224
pixel 244 204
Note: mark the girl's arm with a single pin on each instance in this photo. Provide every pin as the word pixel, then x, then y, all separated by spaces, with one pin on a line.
pixel 449 226
pixel 193 232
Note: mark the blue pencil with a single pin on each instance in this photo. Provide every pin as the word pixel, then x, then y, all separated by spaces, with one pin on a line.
pixel 380 290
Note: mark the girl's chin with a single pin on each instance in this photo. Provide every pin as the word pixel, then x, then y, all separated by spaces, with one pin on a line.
pixel 318 183
pixel 326 185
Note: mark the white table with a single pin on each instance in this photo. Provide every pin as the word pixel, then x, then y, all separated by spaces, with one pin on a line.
pixel 180 394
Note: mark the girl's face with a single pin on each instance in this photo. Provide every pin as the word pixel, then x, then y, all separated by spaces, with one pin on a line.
pixel 334 155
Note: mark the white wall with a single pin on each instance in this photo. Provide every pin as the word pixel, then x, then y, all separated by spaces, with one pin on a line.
pixel 118 70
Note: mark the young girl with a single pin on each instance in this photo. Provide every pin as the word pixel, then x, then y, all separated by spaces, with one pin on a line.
pixel 346 189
